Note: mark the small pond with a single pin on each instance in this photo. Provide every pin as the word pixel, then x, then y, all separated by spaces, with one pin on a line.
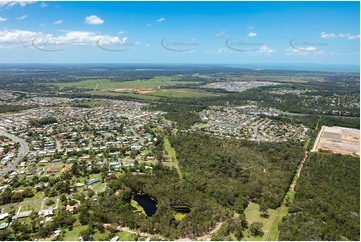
pixel 146 203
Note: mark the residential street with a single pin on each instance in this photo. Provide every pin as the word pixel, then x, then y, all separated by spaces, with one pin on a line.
pixel 22 152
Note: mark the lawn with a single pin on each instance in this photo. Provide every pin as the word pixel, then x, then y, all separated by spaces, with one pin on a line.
pixel 253 215
pixel 124 236
pixel 32 203
pixel 97 186
pixel 92 176
pixel 34 206
pixel 73 235
pixel 98 236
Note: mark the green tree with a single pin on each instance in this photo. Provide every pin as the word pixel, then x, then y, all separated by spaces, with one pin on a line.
pixel 256 229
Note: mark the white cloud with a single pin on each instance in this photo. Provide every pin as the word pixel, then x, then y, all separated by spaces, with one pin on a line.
pixel 60 21
pixel 220 33
pixel 10 4
pixel 160 20
pixel 43 4
pixel 264 49
pixel 93 19
pixel 18 37
pixel 121 32
pixel 26 38
pixel 223 50
pixel 324 35
pixel 252 34
pixel 219 51
pixel 85 37
pixel 300 50
pixel 349 36
pixel 22 17
pixel 3 19
pixel 303 51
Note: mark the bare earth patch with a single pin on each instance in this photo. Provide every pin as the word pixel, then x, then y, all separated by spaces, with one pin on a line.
pixel 339 140
pixel 134 90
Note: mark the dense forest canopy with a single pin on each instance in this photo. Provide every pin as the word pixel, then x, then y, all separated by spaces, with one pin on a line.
pixel 327 204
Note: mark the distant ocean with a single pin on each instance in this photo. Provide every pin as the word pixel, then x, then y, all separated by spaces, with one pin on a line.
pixel 301 67
pixel 176 66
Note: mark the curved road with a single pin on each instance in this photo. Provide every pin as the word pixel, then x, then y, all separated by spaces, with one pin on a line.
pixel 22 152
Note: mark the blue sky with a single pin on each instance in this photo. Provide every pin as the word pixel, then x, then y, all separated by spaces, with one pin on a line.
pixel 180 32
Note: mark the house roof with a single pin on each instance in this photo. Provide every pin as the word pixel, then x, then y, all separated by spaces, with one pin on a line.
pixel 25 214
pixel 4 225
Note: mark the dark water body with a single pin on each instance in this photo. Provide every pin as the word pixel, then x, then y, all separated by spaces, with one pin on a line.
pixel 146 203
pixel 182 209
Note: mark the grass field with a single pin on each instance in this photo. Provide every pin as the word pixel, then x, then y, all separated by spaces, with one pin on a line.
pixel 105 87
pixel 170 153
pixel 153 96
pixel 274 232
pixel 253 214
pixel 100 84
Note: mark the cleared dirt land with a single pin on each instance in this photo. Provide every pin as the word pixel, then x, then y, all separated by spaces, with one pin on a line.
pixel 338 140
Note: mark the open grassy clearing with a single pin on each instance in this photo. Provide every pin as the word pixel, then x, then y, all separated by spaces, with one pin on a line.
pixel 170 153
pixel 101 84
pixel 179 216
pixel 253 214
pixel 153 96
pixel 282 212
pixel 105 87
